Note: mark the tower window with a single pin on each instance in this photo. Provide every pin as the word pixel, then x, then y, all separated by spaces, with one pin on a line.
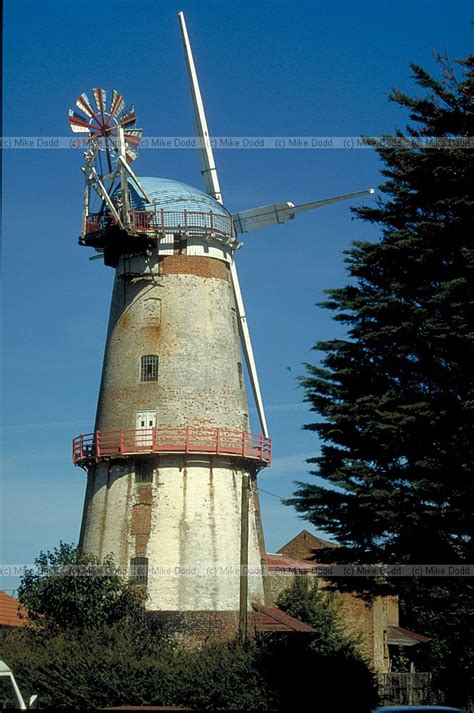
pixel 241 375
pixel 139 570
pixel 149 368
pixel 235 324
pixel 144 470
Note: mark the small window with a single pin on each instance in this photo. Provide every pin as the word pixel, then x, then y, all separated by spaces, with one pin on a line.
pixel 258 524
pixel 235 323
pixel 241 375
pixel 149 368
pixel 139 570
pixel 144 470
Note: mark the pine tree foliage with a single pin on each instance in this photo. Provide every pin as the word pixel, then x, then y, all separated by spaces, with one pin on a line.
pixel 395 397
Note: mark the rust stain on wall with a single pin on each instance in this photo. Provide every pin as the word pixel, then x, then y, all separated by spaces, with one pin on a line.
pixel 124 321
pixel 151 332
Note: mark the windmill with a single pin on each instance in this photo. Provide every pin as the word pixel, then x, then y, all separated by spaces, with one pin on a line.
pixel 171 463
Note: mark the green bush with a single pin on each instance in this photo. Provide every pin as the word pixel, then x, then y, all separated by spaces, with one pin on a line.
pixel 69 589
pixel 116 665
pixel 91 645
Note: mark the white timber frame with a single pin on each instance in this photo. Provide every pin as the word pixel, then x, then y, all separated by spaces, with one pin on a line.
pixel 93 180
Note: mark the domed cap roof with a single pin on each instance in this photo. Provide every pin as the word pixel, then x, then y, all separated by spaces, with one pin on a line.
pixel 174 195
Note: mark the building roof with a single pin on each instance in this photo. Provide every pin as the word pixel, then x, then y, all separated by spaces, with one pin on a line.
pixel 304 544
pixel 397 636
pixel 9 615
pixel 268 619
pixel 174 196
pixel 278 562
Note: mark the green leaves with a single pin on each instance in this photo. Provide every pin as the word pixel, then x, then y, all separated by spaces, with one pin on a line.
pixel 70 590
pixel 118 665
pixel 305 601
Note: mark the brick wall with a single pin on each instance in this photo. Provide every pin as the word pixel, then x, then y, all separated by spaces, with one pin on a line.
pixel 302 546
pixel 364 619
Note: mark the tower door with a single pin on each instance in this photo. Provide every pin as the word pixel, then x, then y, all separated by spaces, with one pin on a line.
pixel 146 422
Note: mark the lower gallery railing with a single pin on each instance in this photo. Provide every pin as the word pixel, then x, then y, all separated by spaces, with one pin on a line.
pixel 220 441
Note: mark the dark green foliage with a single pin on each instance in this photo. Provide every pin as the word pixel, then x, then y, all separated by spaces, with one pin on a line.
pixel 112 666
pixel 69 589
pixel 443 609
pixel 226 676
pixel 306 680
pixel 115 666
pixel 395 396
pixel 305 601
pixel 90 645
pixel 330 656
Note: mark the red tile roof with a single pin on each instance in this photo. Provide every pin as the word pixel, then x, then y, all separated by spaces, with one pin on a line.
pixel 9 615
pixel 277 561
pixel 267 619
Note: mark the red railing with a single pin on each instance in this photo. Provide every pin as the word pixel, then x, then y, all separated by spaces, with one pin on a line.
pixel 219 441
pixel 158 222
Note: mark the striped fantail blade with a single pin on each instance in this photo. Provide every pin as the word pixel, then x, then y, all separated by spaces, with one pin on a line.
pixel 83 103
pixel 78 124
pixel 117 105
pixel 100 96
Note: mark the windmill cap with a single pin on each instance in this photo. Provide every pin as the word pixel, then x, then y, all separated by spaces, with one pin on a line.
pixel 168 194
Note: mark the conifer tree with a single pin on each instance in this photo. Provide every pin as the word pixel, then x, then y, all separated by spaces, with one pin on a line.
pixel 395 395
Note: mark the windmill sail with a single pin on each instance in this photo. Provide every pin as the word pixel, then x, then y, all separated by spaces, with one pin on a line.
pixel 211 181
pixel 277 213
pixel 208 166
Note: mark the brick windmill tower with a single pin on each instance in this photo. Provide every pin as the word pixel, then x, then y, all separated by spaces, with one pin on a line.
pixel 172 462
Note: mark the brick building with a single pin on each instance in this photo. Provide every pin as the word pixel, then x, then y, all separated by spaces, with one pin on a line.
pixel 373 621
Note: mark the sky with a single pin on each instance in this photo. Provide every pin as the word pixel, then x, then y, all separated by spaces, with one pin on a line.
pixel 266 68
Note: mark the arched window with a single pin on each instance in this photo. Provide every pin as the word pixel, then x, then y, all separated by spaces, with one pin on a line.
pixel 149 368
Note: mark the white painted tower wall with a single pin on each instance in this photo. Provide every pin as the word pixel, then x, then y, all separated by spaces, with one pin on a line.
pixel 186 522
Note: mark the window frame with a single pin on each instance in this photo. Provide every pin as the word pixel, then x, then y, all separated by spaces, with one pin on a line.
pixel 144 469
pixel 140 578
pixel 240 369
pixel 152 362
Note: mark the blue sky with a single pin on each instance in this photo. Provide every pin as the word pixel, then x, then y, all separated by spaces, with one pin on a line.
pixel 266 69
